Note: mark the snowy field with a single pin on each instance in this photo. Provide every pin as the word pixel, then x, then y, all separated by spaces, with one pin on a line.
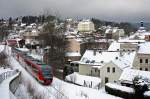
pixel 58 89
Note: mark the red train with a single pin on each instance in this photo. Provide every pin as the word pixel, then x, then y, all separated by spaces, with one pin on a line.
pixel 39 70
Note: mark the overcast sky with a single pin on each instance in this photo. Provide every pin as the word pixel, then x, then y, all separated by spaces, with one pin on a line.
pixel 114 10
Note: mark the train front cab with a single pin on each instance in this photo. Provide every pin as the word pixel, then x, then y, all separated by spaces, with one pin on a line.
pixel 42 72
pixel 47 75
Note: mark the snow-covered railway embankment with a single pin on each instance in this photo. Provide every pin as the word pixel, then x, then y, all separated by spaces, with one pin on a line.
pixel 9 83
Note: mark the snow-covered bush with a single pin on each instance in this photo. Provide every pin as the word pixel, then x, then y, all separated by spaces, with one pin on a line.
pixel 31 88
pixel 121 91
pixel 146 95
pixel 140 86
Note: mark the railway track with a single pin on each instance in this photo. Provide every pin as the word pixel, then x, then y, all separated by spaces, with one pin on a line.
pixel 51 90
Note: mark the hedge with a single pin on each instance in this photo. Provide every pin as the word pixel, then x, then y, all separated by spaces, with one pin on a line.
pixel 119 92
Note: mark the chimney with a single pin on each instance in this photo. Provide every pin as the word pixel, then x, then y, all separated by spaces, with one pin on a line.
pixel 121 53
pixel 116 58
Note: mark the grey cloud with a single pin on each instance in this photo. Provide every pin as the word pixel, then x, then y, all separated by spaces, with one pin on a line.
pixel 115 10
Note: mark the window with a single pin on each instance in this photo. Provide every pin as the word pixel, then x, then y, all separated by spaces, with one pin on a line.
pixel 146 69
pixel 77 65
pixel 99 72
pixel 113 70
pixel 140 68
pixel 91 72
pixel 108 69
pixel 72 64
pixel 106 79
pixel 35 70
pixel 146 61
pixel 141 61
pixel 95 70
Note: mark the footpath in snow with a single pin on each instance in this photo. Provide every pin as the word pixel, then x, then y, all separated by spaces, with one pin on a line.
pixel 4 88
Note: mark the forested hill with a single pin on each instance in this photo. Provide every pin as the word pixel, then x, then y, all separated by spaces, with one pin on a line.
pixel 128 27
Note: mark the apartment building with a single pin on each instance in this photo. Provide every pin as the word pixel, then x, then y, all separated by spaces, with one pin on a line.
pixel 142 60
pixel 86 26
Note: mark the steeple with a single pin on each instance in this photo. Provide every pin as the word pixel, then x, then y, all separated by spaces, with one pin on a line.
pixel 142 24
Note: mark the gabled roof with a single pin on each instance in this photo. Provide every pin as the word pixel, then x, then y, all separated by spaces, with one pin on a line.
pixel 144 48
pixel 129 74
pixel 98 58
pixel 114 46
pixel 72 54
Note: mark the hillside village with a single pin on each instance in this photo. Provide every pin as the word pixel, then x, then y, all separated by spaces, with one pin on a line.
pixel 94 59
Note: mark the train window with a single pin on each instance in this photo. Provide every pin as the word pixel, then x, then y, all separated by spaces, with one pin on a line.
pixel 47 73
pixel 77 64
pixel 72 64
pixel 35 70
pixel 40 63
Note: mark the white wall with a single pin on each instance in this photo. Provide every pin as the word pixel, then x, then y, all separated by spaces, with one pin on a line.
pixel 85 69
pixel 111 76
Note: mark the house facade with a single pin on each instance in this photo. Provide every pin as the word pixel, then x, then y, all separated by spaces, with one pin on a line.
pixel 107 65
pixel 142 60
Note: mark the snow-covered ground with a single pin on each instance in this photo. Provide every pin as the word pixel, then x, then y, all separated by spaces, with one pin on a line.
pixel 7 75
pixel 78 92
pixel 88 81
pixel 70 91
pixel 58 89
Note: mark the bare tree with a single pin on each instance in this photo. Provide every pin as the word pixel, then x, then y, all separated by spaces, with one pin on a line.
pixel 53 36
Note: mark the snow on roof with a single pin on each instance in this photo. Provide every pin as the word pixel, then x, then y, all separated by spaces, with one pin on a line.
pixel 146 33
pixel 1 47
pixel 36 56
pixel 140 35
pixel 104 40
pixel 115 30
pixel 144 48
pixel 86 20
pixel 108 30
pixel 23 24
pixel 130 41
pixel 34 31
pixel 71 54
pixel 70 36
pixel 119 87
pixel 82 79
pixel 114 46
pixel 33 24
pixel 129 74
pixel 23 49
pixel 99 58
pixel 125 61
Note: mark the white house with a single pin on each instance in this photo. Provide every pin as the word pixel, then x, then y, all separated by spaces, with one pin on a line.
pixel 115 32
pixel 108 65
